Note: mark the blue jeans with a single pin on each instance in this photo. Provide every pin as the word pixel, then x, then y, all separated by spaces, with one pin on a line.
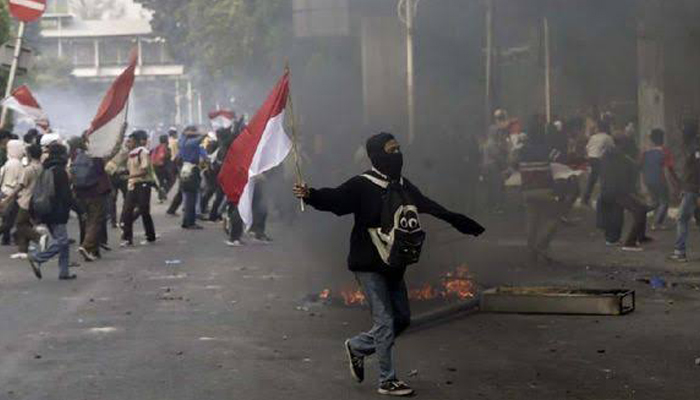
pixel 687 209
pixel 189 213
pixel 58 245
pixel 659 194
pixel 391 315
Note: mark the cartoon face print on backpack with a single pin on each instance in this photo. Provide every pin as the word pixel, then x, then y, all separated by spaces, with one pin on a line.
pixel 407 219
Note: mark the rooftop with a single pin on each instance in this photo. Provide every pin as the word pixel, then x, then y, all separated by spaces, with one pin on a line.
pixel 96 28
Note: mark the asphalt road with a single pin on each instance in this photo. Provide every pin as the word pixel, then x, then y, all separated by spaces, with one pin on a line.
pixel 229 323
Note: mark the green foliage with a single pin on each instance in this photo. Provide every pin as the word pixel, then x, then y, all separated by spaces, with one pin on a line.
pixel 225 38
pixel 5 27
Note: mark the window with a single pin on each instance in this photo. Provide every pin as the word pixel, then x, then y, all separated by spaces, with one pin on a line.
pixel 115 51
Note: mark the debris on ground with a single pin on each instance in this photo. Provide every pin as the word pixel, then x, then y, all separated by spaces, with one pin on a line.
pixel 412 373
pixel 697 361
pixel 173 262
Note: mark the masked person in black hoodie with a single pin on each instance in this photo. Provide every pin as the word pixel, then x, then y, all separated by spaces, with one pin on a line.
pixel 381 279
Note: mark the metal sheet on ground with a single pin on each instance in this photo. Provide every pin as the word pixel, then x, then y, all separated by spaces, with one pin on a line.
pixel 550 300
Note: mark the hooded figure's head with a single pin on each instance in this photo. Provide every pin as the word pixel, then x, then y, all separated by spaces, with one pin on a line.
pixel 385 154
pixel 15 149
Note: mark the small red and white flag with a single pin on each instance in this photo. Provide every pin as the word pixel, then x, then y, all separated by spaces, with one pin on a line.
pixel 222 119
pixel 23 102
pixel 106 127
pixel 262 145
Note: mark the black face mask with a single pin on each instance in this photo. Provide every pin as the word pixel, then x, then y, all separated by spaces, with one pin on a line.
pixel 389 164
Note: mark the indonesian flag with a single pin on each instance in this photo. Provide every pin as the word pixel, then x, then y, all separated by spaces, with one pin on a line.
pixel 105 130
pixel 23 102
pixel 221 119
pixel 262 145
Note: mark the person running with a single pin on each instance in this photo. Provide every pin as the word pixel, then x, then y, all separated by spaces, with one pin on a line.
pixel 56 219
pixel 690 188
pixel 383 285
pixel 139 195
pixel 657 162
pixel 25 227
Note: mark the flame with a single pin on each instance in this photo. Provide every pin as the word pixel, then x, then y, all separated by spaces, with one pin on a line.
pixel 352 297
pixel 325 294
pixel 426 292
pixel 454 284
pixel 458 284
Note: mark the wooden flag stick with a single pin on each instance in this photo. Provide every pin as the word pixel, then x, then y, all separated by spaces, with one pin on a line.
pixel 295 139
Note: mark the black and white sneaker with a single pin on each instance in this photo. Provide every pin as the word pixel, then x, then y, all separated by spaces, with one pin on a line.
pixel 356 363
pixel 395 388
pixel 35 267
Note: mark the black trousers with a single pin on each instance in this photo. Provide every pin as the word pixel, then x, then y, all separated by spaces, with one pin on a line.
pixel 177 201
pixel 119 185
pixel 215 212
pixel 592 179
pixel 8 222
pixel 139 196
pixel 235 224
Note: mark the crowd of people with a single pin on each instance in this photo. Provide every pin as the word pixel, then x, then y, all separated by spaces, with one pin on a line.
pixel 593 162
pixel 45 178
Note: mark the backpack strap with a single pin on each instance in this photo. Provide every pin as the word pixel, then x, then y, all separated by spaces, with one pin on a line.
pixel 378 179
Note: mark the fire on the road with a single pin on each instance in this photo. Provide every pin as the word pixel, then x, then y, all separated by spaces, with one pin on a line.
pixel 456 284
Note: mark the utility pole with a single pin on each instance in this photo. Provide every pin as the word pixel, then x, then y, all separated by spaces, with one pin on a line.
pixel 489 63
pixel 190 102
pixel 13 70
pixel 407 12
pixel 547 73
pixel 178 103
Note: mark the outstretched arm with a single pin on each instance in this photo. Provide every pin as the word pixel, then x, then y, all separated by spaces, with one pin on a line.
pixel 460 222
pixel 342 200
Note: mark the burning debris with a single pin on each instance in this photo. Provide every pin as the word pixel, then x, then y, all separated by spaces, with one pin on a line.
pixel 456 284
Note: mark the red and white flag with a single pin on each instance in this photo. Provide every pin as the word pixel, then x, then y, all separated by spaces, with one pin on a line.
pixel 221 119
pixel 23 102
pixel 105 129
pixel 262 145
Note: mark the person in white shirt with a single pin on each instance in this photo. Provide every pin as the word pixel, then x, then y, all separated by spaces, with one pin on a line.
pixel 598 144
pixel 10 178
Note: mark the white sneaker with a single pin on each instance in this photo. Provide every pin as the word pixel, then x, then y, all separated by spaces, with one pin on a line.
pixel 89 257
pixel 235 243
pixel 147 242
pixel 44 242
pixel 19 256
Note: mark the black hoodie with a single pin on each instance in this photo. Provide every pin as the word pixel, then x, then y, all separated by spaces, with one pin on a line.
pixel 63 197
pixel 363 198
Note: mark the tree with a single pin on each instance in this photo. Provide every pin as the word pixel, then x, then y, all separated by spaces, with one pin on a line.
pixel 5 26
pixel 226 37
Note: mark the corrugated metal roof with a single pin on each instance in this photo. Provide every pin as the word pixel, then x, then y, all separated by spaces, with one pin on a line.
pixel 79 29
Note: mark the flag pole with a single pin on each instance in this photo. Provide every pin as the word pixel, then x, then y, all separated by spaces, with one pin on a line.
pixel 292 123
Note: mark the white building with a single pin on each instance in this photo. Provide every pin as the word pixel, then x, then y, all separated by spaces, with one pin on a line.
pixel 98 50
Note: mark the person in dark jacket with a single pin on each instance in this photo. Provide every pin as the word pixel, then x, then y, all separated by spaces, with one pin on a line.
pixel 690 188
pixel 57 219
pixel 544 205
pixel 93 200
pixel 619 177
pixel 384 288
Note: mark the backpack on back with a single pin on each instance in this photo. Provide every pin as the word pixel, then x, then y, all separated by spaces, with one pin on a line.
pixel 159 156
pixel 43 194
pixel 399 239
pixel 84 174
